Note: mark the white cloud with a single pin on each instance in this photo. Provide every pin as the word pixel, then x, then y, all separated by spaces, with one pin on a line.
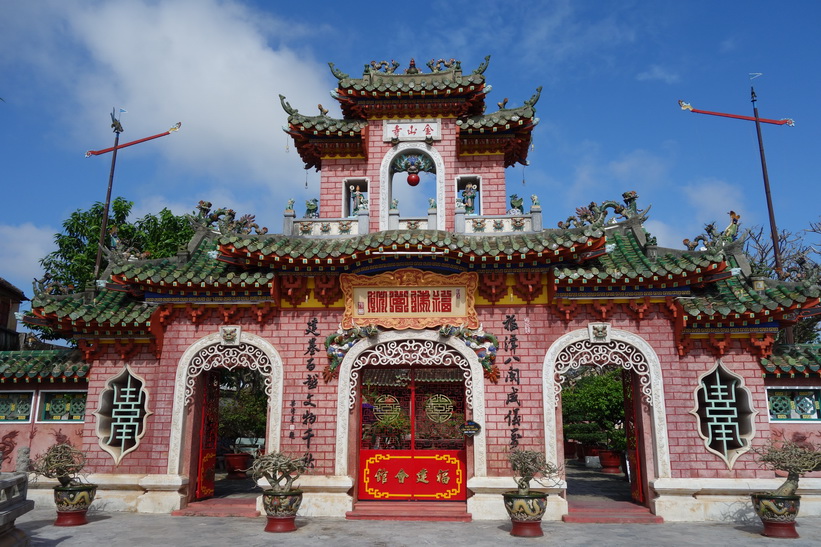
pixel 215 65
pixel 658 73
pixel 21 248
pixel 711 200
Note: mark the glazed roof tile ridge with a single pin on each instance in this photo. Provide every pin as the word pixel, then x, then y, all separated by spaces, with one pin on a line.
pixel 793 358
pixel 55 363
pixel 295 246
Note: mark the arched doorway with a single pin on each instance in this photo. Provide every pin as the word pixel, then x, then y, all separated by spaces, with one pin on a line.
pixel 599 345
pixel 423 351
pixel 388 169
pixel 228 349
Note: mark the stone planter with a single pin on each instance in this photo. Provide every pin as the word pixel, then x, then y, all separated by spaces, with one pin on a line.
pixel 777 513
pixel 281 508
pixel 526 512
pixel 13 504
pixel 72 503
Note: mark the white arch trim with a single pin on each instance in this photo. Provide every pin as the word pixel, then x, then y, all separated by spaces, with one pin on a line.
pixel 385 179
pixel 343 412
pixel 178 421
pixel 657 408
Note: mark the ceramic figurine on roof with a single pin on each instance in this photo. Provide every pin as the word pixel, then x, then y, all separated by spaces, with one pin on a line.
pixel 452 330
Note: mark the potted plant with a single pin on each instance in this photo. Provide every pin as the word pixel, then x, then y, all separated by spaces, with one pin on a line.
pixel 72 496
pixel 282 499
pixel 526 507
pixel 778 509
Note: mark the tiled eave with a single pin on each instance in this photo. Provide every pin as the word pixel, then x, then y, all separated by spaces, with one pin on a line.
pixel 573 252
pixel 802 360
pixel 42 366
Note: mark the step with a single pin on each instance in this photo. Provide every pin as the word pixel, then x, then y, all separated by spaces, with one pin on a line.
pixel 410 510
pixel 607 511
pixel 611 518
pixel 220 507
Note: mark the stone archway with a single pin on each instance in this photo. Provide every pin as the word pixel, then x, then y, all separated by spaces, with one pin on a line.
pixel 385 179
pixel 599 343
pixel 430 348
pixel 210 352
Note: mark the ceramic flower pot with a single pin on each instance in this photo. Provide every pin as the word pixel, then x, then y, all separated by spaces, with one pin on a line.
pixel 236 464
pixel 281 508
pixel 777 513
pixel 610 461
pixel 72 503
pixel 526 512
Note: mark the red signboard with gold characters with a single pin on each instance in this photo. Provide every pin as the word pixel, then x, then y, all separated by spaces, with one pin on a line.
pixel 411 474
pixel 412 446
pixel 409 299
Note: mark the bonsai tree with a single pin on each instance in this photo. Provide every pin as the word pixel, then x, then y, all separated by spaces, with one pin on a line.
pixel 530 465
pixel 794 458
pixel 279 470
pixel 62 462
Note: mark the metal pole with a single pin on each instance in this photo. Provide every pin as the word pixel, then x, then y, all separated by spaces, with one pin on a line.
pixel 779 269
pixel 773 229
pixel 117 130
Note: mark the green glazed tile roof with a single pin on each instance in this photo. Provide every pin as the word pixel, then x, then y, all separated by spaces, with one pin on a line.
pixel 202 270
pixel 734 297
pixel 543 247
pixel 792 359
pixel 109 309
pixel 325 126
pixel 58 364
pixel 448 81
pixel 626 263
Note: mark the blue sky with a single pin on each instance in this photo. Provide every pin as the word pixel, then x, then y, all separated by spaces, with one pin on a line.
pixel 612 73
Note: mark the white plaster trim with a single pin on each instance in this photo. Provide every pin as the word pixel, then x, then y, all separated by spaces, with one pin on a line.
pixel 178 433
pixel 385 180
pixel 343 412
pixel 657 408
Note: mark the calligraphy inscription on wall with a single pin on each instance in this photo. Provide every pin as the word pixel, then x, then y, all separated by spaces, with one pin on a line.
pixel 409 298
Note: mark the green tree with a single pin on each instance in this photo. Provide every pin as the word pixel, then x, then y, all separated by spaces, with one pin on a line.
pixel 70 268
pixel 593 408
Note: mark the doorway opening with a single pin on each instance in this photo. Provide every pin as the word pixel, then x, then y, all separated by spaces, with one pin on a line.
pixel 232 432
pixel 600 436
pixel 411 443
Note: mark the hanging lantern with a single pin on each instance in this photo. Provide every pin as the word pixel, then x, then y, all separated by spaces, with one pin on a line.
pixel 413 174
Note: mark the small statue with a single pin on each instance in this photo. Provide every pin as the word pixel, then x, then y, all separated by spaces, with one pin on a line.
pixel 290 206
pixel 394 203
pixel 516 204
pixel 359 201
pixel 535 199
pixel 468 197
pixel 312 208
pixel 431 203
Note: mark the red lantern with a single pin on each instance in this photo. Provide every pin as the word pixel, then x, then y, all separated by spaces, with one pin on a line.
pixel 413 179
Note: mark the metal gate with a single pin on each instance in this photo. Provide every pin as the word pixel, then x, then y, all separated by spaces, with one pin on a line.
pixel 411 443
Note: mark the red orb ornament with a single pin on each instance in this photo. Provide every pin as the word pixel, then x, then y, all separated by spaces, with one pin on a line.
pixel 413 179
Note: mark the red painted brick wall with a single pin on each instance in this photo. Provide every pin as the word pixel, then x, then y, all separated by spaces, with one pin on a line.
pixel 538 329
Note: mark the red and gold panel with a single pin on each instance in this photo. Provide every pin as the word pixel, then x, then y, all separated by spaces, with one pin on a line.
pixel 410 299
pixel 410 474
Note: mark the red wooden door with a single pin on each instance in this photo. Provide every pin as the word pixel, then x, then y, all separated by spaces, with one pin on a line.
pixel 411 447
pixel 631 432
pixel 207 460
